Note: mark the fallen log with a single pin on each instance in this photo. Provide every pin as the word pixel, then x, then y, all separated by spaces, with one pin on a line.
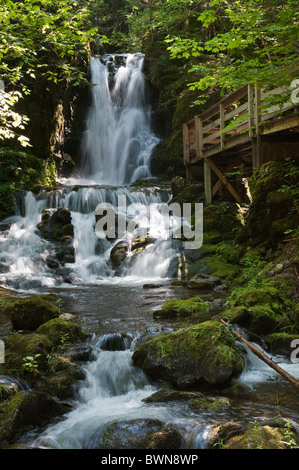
pixel 264 358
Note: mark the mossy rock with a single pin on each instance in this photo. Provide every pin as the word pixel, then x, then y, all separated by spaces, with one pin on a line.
pixel 239 315
pixel 166 395
pixel 62 377
pixel 18 347
pixel 204 353
pixel 168 438
pixel 58 332
pixel 263 436
pixel 268 295
pixel 280 343
pixel 28 313
pixel 216 266
pixel 182 308
pixel 125 434
pixel 222 218
pixel 25 411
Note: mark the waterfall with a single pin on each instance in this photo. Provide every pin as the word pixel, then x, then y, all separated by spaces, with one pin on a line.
pixel 116 148
pixel 118 142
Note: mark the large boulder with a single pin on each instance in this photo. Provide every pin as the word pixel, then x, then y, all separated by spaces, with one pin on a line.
pixel 201 354
pixel 28 313
pixel 60 331
pixel 173 308
pixel 26 410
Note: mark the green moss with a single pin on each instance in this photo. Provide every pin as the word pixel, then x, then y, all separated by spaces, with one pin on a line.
pixel 28 313
pixel 55 330
pixel 21 170
pixel 182 308
pixel 18 346
pixel 259 436
pixel 204 352
pixel 216 266
pixel 251 296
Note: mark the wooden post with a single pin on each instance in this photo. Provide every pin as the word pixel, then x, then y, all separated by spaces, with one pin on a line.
pixel 207 183
pixel 251 110
pixel 222 125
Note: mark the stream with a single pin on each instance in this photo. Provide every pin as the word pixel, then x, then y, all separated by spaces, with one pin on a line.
pixel 116 305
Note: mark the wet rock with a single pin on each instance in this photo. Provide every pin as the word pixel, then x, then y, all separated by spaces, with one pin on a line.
pixel 168 438
pixel 8 387
pixel 218 434
pixel 201 354
pixel 57 225
pixel 115 341
pixel 195 400
pixel 203 282
pixel 119 253
pixel 25 410
pixel 140 243
pixel 265 435
pixel 52 262
pixel 129 434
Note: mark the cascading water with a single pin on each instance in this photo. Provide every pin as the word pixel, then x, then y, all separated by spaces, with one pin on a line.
pixel 118 142
pixel 116 149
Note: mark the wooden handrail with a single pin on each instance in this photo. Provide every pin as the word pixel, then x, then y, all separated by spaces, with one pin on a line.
pixel 200 135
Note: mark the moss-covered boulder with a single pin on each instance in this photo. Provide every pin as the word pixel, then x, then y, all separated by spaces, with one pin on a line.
pixel 28 313
pixel 125 434
pixel 259 309
pixel 25 411
pixel 264 435
pixel 281 343
pixel 182 308
pixel 168 438
pixel 60 332
pixel 201 354
pixel 194 400
pixel 62 377
pixel 18 347
pixel 273 210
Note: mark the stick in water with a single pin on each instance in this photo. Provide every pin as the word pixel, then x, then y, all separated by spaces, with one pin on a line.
pixel 265 358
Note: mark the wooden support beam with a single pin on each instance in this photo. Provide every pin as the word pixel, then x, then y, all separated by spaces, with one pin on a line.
pixel 225 182
pixel 251 110
pixel 219 183
pixel 207 183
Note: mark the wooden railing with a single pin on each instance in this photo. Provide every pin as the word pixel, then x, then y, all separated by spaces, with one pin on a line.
pixel 235 120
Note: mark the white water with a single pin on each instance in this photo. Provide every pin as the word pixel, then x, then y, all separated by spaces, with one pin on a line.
pixel 24 251
pixel 118 142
